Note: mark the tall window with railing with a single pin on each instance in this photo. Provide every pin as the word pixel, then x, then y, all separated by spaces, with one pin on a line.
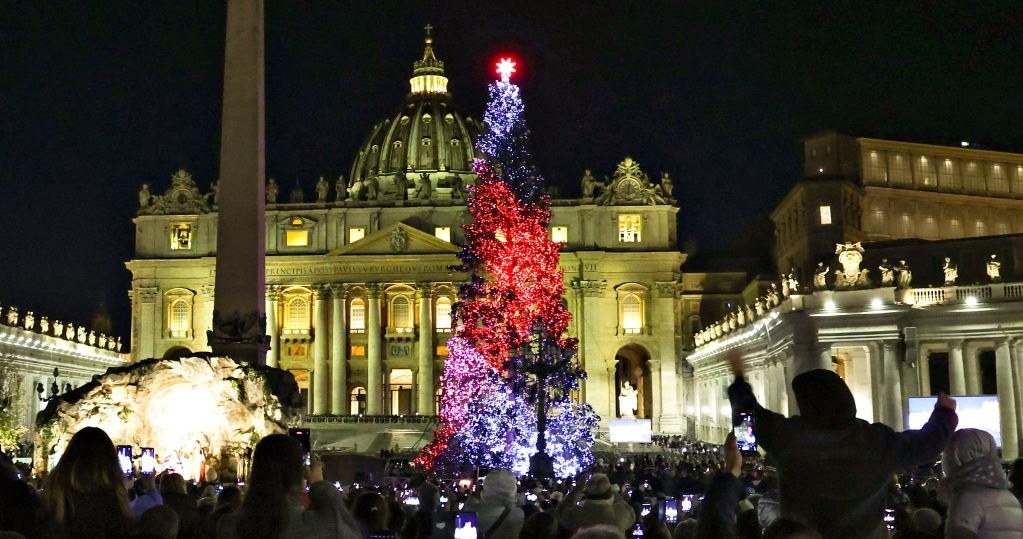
pixel 357 316
pixel 443 314
pixel 632 313
pixel 401 314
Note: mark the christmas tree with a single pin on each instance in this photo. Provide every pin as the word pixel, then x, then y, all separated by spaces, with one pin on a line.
pixel 509 354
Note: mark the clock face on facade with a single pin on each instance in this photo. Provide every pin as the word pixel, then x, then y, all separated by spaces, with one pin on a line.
pixel 628 188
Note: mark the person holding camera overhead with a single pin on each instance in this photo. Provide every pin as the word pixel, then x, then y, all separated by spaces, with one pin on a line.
pixel 833 469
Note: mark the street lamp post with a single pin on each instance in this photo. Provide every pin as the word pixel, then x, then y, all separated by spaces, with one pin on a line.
pixel 542 357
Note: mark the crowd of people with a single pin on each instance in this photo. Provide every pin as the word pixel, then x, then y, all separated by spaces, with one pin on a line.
pixel 826 475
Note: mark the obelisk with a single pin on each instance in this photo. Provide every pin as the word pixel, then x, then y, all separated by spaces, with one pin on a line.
pixel 239 318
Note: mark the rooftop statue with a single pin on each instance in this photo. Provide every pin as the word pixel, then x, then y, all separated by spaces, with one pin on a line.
pixel 905 279
pixel 341 188
pixel 322 188
pixel 400 185
pixel 850 255
pixel 630 186
pixel 182 197
pixel 820 276
pixel 591 186
pixel 887 273
pixel 272 191
pixel 424 188
pixel 667 186
pixel 951 271
pixel 994 269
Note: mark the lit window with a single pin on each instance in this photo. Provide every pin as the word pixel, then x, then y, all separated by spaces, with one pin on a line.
pixel 181 237
pixel 296 315
pixel 442 350
pixel 401 314
pixel 358 316
pixel 955 227
pixel 907 224
pixel 180 316
pixel 630 228
pixel 296 238
pixel 825 215
pixel 443 314
pixel 559 234
pixel 632 313
pixel 443 232
pixel 1003 228
pixel 358 401
pixel 996 179
pixel 358 350
pixel 979 228
pixel 296 221
pixel 355 234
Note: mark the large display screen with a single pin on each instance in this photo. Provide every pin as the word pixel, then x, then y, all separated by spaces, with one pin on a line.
pixel 975 412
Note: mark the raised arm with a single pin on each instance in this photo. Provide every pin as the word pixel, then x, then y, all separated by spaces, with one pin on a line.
pixel 741 397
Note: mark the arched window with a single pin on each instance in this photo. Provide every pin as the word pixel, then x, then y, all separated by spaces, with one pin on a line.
pixel 401 314
pixel 358 401
pixel 358 315
pixel 443 317
pixel 180 318
pixel 296 313
pixel 632 313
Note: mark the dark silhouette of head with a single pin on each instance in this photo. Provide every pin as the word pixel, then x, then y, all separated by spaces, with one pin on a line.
pixel 824 400
pixel 88 467
pixel 274 483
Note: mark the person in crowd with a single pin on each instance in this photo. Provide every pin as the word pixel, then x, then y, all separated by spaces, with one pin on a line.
pixel 158 522
pixel 497 511
pixel 539 525
pixel 790 528
pixel 924 523
pixel 767 505
pixel 20 506
pixel 833 469
pixel 86 495
pixel 146 495
pixel 685 529
pixel 175 495
pixel 595 503
pixel 228 501
pixel 599 531
pixel 370 511
pixel 720 509
pixel 982 506
pixel 272 507
pixel 1016 478
pixel 326 510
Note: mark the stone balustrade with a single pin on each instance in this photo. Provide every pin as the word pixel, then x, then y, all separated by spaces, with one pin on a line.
pixel 58 329
pixel 390 419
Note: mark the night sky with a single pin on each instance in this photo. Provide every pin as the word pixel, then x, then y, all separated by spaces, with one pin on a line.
pixel 99 97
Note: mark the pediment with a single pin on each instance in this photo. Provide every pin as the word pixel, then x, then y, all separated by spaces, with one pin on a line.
pixel 397 239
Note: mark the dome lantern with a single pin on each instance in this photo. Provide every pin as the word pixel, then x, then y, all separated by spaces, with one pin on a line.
pixel 428 73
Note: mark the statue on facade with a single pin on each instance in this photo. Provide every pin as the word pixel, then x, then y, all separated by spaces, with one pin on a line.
pixel 401 185
pixel 12 316
pixel 358 189
pixel 905 276
pixel 749 313
pixel 44 325
pixel 820 276
pixel 424 188
pixel 322 188
pixel 951 272
pixel 102 340
pixel 296 196
pixel 591 187
pixel 92 338
pixel 145 197
pixel 340 189
pixel 118 346
pixel 772 296
pixel 58 328
pixel 887 273
pixel 628 401
pixel 80 334
pixel 69 332
pixel 758 306
pixel 272 191
pixel 667 186
pixel 372 186
pixel 741 315
pixel 457 188
pixel 29 321
pixel 784 286
pixel 850 255
pixel 994 269
pixel 793 282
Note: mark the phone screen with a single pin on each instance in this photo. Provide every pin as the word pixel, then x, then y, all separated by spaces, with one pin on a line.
pixel 147 463
pixel 687 503
pixel 646 510
pixel 671 510
pixel 466 525
pixel 124 460
pixel 302 436
pixel 889 519
pixel 745 437
pixel 637 530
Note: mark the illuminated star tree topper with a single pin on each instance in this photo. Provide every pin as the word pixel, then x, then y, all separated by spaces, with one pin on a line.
pixel 505 68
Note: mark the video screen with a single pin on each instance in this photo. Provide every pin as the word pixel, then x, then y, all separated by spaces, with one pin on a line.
pixel 975 412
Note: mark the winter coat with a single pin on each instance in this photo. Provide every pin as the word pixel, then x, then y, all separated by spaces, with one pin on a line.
pixel 982 506
pixel 615 511
pixel 499 490
pixel 833 469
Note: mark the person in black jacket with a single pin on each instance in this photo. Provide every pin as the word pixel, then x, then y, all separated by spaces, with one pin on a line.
pixel 833 469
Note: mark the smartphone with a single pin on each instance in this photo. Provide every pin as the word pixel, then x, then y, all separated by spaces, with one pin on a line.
pixel 745 436
pixel 443 501
pixel 637 530
pixel 147 463
pixel 531 498
pixel 466 525
pixel 889 519
pixel 645 510
pixel 686 503
pixel 411 499
pixel 671 510
pixel 124 460
pixel 302 436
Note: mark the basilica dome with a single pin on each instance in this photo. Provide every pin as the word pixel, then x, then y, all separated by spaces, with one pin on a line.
pixel 426 139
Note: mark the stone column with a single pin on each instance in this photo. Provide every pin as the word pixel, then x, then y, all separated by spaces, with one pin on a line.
pixel 273 357
pixel 655 385
pixel 956 368
pixel 150 325
pixel 612 390
pixel 894 411
pixel 241 243
pixel 321 336
pixel 972 368
pixel 824 355
pixel 1014 357
pixel 924 366
pixel 1006 400
pixel 374 361
pixel 338 352
pixel 424 388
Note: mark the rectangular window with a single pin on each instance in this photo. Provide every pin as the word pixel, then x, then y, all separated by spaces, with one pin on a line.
pixel 1017 179
pixel 925 174
pixel 979 228
pixel 930 228
pixel 973 178
pixel 906 225
pixel 630 228
pixel 181 237
pixel 559 234
pixel 180 315
pixel 356 233
pixel 948 175
pixel 632 314
pixel 955 227
pixel 401 314
pixel 358 316
pixel 874 170
pixel 997 182
pixel 296 238
pixel 443 232
pixel 358 350
pixel 899 170
pixel 825 215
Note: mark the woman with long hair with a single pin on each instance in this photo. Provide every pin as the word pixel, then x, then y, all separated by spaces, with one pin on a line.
pixel 85 494
pixel 272 507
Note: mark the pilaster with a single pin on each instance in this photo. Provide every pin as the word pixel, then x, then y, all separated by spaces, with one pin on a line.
pixel 374 361
pixel 1006 399
pixel 321 336
pixel 338 351
pixel 424 377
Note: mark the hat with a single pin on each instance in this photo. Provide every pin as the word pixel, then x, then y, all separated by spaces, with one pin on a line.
pixel 597 488
pixel 500 483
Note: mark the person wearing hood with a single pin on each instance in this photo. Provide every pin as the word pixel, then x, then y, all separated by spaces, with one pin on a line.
pixel 595 503
pixel 982 506
pixel 498 516
pixel 833 469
